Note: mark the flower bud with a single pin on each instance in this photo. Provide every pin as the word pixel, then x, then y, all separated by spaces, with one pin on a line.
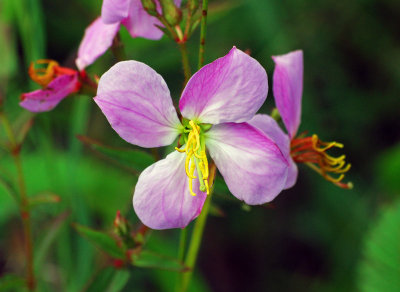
pixel 121 225
pixel 171 13
pixel 193 5
pixel 150 7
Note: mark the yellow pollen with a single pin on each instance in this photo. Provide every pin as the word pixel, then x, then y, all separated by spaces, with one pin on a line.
pixel 195 158
pixel 43 76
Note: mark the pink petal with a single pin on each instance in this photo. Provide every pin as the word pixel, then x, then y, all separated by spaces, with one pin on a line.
pixel 140 24
pixel 46 99
pixel 162 199
pixel 113 11
pixel 252 165
pixel 230 89
pixel 97 39
pixel 271 128
pixel 137 103
pixel 288 88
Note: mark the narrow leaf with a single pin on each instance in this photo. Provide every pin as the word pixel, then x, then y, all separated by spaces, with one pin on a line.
pixel 48 239
pixel 43 198
pixel 132 160
pixel 101 240
pixel 148 259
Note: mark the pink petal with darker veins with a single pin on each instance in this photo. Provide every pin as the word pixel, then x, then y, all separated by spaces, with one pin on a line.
pixel 251 164
pixel 230 89
pixel 162 199
pixel 288 88
pixel 137 103
pixel 113 11
pixel 271 128
pixel 140 24
pixel 46 99
pixel 97 39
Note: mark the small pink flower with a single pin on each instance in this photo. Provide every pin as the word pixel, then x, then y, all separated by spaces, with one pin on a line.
pixel 100 34
pixel 288 90
pixel 216 105
pixel 57 82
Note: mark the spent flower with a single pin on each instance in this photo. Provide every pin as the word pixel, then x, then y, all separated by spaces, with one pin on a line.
pixel 57 83
pixel 215 105
pixel 288 89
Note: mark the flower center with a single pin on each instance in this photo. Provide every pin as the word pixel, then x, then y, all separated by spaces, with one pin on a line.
pixel 196 157
pixel 312 152
pixel 44 75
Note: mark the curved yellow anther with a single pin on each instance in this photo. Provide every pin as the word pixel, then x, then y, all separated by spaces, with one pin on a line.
pixel 195 158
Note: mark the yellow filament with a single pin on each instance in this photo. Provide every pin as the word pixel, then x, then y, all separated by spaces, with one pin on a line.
pixel 195 155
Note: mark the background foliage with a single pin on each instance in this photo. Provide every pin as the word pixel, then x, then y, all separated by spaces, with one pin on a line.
pixel 313 237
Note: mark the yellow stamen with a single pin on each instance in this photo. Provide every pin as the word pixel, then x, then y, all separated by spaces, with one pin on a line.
pixel 313 152
pixel 195 158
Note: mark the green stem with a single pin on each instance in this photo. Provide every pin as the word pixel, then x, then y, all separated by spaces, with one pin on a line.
pixel 118 48
pixel 195 242
pixel 182 244
pixel 24 203
pixel 203 31
pixel 181 254
pixel 185 62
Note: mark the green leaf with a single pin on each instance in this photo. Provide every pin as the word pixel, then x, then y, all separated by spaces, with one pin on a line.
pixel 101 240
pixel 42 198
pixel 48 239
pixel 107 280
pixel 131 159
pixel 379 270
pixel 388 170
pixel 149 259
pixel 119 280
pixel 12 283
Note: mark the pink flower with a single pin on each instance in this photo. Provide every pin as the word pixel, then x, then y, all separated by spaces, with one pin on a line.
pixel 100 34
pixel 216 105
pixel 57 82
pixel 288 89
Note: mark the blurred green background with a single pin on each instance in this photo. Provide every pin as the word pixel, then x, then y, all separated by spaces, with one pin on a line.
pixel 313 237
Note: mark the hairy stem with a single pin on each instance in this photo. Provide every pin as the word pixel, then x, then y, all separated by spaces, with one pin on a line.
pixel 23 201
pixel 203 31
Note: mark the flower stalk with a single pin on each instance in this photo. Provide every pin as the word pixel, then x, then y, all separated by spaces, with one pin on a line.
pixel 185 62
pixel 203 31
pixel 197 236
pixel 23 201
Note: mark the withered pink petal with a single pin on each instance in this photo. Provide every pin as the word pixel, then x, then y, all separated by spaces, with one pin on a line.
pixel 46 99
pixel 137 103
pixel 288 88
pixel 230 89
pixel 162 199
pixel 252 165
pixel 97 39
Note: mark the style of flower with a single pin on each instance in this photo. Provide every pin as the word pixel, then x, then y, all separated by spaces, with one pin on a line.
pixel 99 35
pixel 57 83
pixel 288 89
pixel 216 104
